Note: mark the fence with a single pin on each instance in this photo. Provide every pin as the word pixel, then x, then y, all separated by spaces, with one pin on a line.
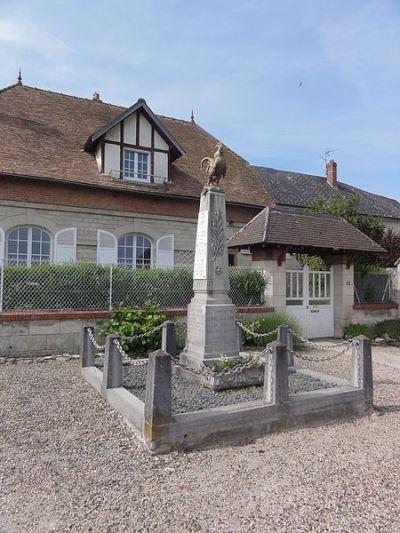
pixel 372 287
pixel 88 286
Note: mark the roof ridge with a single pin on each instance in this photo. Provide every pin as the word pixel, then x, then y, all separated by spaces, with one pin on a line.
pixel 59 93
pixel 4 89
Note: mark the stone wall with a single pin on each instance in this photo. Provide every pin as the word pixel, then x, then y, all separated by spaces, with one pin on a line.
pixel 53 333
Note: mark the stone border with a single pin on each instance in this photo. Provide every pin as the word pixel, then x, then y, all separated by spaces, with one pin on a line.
pixel 45 359
pixel 162 431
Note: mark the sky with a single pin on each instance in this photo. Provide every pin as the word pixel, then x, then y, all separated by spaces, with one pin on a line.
pixel 280 83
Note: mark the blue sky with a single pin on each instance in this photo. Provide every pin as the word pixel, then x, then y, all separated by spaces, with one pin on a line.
pixel 278 82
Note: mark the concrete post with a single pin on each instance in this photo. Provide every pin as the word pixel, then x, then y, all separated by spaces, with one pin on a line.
pixel 168 340
pixel 286 338
pixel 240 338
pixel 88 351
pixel 276 385
pixel 343 291
pixel 158 402
pixel 112 370
pixel 361 370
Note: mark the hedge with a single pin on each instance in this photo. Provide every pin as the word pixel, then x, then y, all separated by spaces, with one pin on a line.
pixel 86 286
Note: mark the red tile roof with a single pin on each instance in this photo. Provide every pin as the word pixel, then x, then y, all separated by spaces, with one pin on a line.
pixel 43 133
pixel 296 231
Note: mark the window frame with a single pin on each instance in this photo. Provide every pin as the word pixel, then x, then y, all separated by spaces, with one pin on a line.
pixel 29 262
pixel 134 251
pixel 136 166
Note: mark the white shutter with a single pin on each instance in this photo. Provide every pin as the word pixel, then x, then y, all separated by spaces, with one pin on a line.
pixel 165 252
pixel 106 248
pixel 1 246
pixel 65 246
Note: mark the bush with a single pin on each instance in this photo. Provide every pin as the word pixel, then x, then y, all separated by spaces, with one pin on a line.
pixel 389 327
pixel 128 322
pixel 266 324
pixel 354 330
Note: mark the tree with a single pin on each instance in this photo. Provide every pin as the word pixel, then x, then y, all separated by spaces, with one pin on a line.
pixel 391 242
pixel 347 208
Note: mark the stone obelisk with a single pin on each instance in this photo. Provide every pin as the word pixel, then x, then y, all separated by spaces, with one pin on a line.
pixel 211 323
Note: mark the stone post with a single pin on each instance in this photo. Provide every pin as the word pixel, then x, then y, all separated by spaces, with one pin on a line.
pixel 168 340
pixel 285 337
pixel 276 384
pixel 112 370
pixel 158 402
pixel 273 263
pixel 343 291
pixel 211 318
pixel 88 351
pixel 361 370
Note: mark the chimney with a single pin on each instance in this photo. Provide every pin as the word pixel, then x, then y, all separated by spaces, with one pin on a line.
pixel 96 97
pixel 331 173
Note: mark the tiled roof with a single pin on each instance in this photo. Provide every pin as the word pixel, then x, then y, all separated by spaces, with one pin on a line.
pixel 42 135
pixel 301 230
pixel 296 189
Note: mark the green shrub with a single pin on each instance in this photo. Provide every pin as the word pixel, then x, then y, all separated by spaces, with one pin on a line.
pixel 266 324
pixel 390 327
pixel 128 322
pixel 354 330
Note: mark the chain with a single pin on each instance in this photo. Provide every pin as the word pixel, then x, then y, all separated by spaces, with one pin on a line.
pixel 142 335
pixel 94 342
pixel 126 356
pixel 326 357
pixel 253 333
pixel 317 345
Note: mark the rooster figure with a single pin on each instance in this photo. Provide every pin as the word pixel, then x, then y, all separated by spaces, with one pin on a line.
pixel 216 167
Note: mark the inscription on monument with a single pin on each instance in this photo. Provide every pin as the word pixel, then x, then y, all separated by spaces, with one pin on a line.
pixel 200 260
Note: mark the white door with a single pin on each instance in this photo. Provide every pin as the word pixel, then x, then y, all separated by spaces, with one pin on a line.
pixel 309 301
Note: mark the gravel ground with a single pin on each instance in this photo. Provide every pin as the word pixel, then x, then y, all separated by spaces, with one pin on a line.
pixel 187 396
pixel 69 463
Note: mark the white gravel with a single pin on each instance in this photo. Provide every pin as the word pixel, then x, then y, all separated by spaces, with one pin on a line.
pixel 69 463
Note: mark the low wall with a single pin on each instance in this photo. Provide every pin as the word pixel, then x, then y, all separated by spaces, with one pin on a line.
pixel 370 314
pixel 47 333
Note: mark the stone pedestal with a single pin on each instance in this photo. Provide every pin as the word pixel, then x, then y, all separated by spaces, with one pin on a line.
pixel 211 320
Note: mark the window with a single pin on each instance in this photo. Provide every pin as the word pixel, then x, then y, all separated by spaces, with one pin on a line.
pixel 28 246
pixel 134 251
pixel 136 165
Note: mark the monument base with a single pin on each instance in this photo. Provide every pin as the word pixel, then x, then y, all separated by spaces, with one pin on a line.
pixel 212 332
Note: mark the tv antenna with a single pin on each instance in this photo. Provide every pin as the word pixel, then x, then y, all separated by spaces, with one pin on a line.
pixel 327 153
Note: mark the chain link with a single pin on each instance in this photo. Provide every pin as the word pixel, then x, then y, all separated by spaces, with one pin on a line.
pixel 142 335
pixel 326 357
pixel 255 334
pixel 94 342
pixel 325 346
pixel 126 356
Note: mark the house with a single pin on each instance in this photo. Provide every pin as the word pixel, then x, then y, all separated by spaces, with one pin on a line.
pixel 294 189
pixel 83 180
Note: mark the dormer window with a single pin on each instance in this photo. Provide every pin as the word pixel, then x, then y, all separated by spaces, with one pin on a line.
pixel 136 165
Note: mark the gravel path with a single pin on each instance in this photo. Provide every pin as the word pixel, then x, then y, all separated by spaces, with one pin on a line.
pixel 187 396
pixel 69 463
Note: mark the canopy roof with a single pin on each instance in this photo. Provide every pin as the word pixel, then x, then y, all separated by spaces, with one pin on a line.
pixel 302 233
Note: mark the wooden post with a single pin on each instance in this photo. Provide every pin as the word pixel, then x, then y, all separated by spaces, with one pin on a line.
pixel 158 402
pixel 88 350
pixel 112 370
pixel 361 371
pixel 168 339
pixel 276 383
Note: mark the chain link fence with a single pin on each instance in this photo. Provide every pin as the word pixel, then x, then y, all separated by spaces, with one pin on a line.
pixel 372 287
pixel 88 286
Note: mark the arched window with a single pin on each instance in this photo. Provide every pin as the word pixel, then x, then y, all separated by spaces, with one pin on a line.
pixel 134 251
pixel 28 246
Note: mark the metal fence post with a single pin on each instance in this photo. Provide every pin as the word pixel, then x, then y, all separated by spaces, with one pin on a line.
pixel 361 370
pixel 168 339
pixel 158 402
pixel 110 291
pixel 276 382
pixel 1 285
pixel 112 370
pixel 88 350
